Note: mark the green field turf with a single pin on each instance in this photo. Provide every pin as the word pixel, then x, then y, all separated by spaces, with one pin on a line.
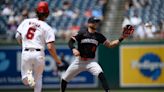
pixel 85 90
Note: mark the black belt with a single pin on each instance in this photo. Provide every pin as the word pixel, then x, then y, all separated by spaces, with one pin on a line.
pixel 85 59
pixel 28 49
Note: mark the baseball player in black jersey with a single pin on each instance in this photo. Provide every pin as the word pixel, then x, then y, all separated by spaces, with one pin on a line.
pixel 88 40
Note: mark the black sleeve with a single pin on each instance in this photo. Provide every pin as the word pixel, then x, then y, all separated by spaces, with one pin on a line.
pixel 102 38
pixel 71 43
pixel 78 36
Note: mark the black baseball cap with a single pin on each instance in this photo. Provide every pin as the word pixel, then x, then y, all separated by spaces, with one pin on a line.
pixel 93 20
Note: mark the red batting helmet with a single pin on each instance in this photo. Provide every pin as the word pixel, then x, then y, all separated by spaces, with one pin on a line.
pixel 42 7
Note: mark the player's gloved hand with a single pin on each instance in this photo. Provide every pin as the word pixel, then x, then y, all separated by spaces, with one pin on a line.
pixel 127 31
pixel 76 52
pixel 61 67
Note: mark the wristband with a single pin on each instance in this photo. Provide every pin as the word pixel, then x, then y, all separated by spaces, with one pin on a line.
pixel 121 39
pixel 72 48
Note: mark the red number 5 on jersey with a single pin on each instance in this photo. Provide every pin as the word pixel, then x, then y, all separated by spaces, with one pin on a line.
pixel 30 33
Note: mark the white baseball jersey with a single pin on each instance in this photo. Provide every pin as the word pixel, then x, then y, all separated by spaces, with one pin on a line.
pixel 35 33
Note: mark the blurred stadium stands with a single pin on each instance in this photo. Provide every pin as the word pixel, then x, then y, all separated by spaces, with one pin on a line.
pixel 67 16
pixel 146 12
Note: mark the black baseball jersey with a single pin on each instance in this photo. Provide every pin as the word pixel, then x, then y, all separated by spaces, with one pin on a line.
pixel 88 42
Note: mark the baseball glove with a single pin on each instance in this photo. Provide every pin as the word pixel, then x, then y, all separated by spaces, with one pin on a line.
pixel 127 31
pixel 62 67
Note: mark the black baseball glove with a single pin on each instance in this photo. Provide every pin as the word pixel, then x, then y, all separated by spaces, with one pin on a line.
pixel 63 66
pixel 127 31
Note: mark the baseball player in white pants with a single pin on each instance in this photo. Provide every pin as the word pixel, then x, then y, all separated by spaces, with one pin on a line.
pixel 80 65
pixel 33 34
pixel 88 40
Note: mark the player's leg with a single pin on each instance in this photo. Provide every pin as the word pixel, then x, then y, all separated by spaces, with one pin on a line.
pixel 38 71
pixel 26 67
pixel 96 70
pixel 71 72
pixel 63 85
pixel 103 80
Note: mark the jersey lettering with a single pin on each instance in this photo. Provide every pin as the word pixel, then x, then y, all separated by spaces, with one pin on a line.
pixel 30 33
pixel 88 40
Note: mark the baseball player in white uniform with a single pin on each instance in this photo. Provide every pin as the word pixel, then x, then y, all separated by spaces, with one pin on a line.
pixel 33 34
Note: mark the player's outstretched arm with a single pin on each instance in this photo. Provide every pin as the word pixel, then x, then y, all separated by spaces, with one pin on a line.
pixel 52 50
pixel 127 31
pixel 111 44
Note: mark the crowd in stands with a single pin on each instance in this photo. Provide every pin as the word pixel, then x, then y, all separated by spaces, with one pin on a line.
pixel 147 16
pixel 66 16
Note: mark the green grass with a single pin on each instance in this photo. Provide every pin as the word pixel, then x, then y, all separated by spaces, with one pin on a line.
pixel 85 90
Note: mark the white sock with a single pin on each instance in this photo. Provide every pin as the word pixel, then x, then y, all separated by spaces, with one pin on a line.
pixel 38 85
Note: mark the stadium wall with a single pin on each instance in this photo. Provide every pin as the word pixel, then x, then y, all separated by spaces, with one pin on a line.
pixel 10 76
pixel 134 65
pixel 129 65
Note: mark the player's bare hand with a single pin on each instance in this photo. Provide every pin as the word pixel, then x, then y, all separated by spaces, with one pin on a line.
pixel 76 52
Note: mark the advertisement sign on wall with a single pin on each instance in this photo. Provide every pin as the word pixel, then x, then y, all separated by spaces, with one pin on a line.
pixel 142 65
pixel 10 76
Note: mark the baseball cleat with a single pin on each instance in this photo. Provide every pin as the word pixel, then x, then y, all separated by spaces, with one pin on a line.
pixel 30 79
